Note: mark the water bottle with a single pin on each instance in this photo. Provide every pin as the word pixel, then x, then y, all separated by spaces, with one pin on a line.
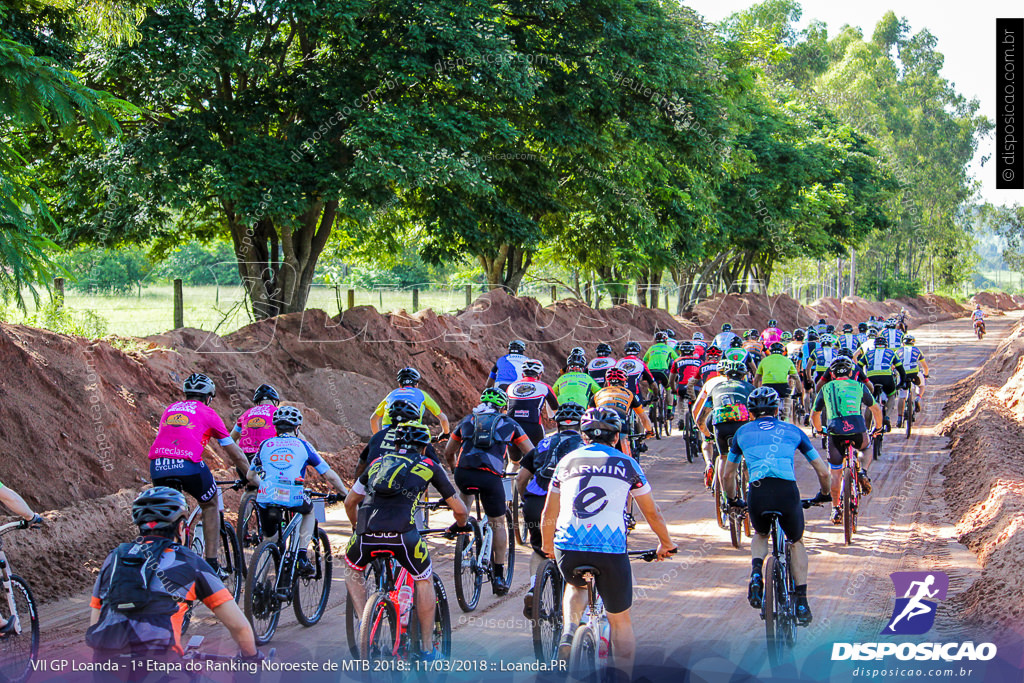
pixel 605 646
pixel 405 602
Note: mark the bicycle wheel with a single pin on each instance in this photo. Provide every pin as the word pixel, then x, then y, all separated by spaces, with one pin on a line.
pixel 908 409
pixel 510 556
pixel 876 448
pixel 442 635
pixel 378 631
pixel 716 494
pixel 230 558
pixel 744 485
pixel 312 592
pixel 664 414
pixel 518 521
pixel 847 495
pixel 262 601
pixel 735 529
pixel 250 534
pixel 690 437
pixel 770 611
pixel 372 583
pixel 469 578
pixel 583 655
pixel 546 613
pixel 19 651
pixel 655 420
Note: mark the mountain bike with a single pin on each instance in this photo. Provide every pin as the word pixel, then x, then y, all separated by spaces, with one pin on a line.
pixel 272 580
pixel 473 562
pixel 659 412
pixel 876 442
pixel 691 439
pixel 546 611
pixel 909 407
pixel 849 487
pixel 591 641
pixel 249 533
pixel 979 328
pixel 389 631
pixel 515 506
pixel 735 521
pixel 130 661
pixel 19 650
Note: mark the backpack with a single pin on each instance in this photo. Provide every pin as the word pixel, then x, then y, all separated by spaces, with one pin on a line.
pixel 133 570
pixel 387 475
pixel 544 466
pixel 485 425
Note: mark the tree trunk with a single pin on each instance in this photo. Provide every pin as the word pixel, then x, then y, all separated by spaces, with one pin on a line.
pixel 655 285
pixel 853 272
pixel 505 270
pixel 641 291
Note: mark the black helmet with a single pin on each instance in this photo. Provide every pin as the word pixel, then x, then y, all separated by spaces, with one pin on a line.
pixel 660 337
pixel 734 369
pixel 882 341
pixel 847 327
pixel 821 321
pixel 575 361
pixel 798 334
pixel 516 346
pixel 159 508
pixel 408 376
pixel 773 323
pixel 199 385
pixel 753 334
pixel 632 348
pixel 265 392
pixel 569 414
pixel 670 332
pixel 909 339
pixel 812 335
pixel 288 417
pixel 841 366
pixel 415 435
pixel 844 351
pixel 726 327
pixel 735 343
pixel 777 347
pixel 830 329
pixel 604 350
pixel 601 422
pixel 577 351
pixel 402 410
pixel 862 327
pixel 763 400
pixel 686 348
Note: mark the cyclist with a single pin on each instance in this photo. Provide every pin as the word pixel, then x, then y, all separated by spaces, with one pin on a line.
pixel 822 327
pixel 822 357
pixel 892 334
pixel 684 372
pixel 381 508
pixel 910 358
pixel 753 346
pixel 769 448
pixel 384 441
pixel 509 367
pixel 281 463
pixel 256 425
pixel 481 442
pixel 857 375
pixel 776 372
pixel 843 400
pixel 978 318
pixel 527 398
pixel 659 359
pixel 16 504
pixel 537 468
pixel 699 341
pixel 880 364
pixel 861 336
pixel 847 340
pixel 635 369
pixel 408 379
pixel 724 338
pixel 737 352
pixel 176 456
pixel 583 524
pixel 604 360
pixel 728 409
pixel 795 345
pixel 617 396
pixel 144 589
pixel 771 334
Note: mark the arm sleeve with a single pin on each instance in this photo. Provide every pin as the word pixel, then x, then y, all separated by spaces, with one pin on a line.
pixel 550 398
pixel 381 408
pixel 806 447
pixel 431 404
pixel 440 482
pixel 209 588
pixel 494 372
pixel 866 398
pixel 314 459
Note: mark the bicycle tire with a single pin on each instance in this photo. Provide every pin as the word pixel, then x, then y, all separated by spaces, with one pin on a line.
pixel 744 486
pixel 18 652
pixel 735 530
pixel 769 611
pixel 546 615
pixel 518 520
pixel 372 582
pixel 583 665
pixel 442 639
pixel 262 605
pixel 847 495
pixel 717 496
pixel 908 418
pixel 319 554
pixel 250 534
pixel 230 558
pixel 665 416
pixel 377 631
pixel 469 577
pixel 510 558
pixel 692 443
pixel 876 448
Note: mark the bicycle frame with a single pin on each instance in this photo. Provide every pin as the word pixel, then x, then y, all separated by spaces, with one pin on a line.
pixel 5 575
pixel 392 586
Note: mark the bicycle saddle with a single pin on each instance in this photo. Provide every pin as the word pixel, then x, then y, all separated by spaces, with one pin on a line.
pixel 583 569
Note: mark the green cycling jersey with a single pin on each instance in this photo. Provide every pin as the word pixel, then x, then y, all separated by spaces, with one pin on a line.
pixel 575 387
pixel 776 368
pixel 660 356
pixel 844 397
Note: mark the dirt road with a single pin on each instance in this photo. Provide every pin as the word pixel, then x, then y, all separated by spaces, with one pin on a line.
pixel 693 613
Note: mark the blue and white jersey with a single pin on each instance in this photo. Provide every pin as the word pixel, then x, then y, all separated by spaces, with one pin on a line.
pixel 769 445
pixel 848 340
pixel 283 461
pixel 910 356
pixel 894 336
pixel 508 369
pixel 595 483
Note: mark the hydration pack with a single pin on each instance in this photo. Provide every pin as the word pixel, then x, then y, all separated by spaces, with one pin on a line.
pixel 545 464
pixel 387 475
pixel 485 426
pixel 134 567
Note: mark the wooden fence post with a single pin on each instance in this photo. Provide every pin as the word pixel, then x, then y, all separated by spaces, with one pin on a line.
pixel 415 300
pixel 179 305
pixel 469 295
pixel 554 293
pixel 351 303
pixel 58 291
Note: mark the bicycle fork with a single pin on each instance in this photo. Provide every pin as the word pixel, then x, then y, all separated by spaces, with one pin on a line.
pixel 5 573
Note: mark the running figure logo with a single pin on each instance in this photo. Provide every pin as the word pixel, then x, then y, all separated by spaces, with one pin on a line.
pixel 914 613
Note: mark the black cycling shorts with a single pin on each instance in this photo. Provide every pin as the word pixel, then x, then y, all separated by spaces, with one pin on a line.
pixel 781 389
pixel 533 506
pixel 837 447
pixel 270 515
pixel 489 486
pixel 193 478
pixel 614 581
pixel 886 382
pixel 409 550
pixel 779 495
pixel 533 430
pixel 723 433
pixel 661 377
pixel 912 377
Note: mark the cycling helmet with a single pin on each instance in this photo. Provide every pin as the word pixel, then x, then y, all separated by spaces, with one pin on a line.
pixel 516 346
pixel 408 377
pixel 881 342
pixel 977 307
pixel 773 323
pixel 830 329
pixel 798 335
pixel 415 435
pixel 777 347
pixel 569 414
pixel 821 321
pixel 828 339
pixel 603 350
pixel 686 348
pixel 862 327
pixel 762 401
pixel 288 417
pixel 199 385
pixel 841 366
pixel 265 392
pixel 845 352
pixel 402 410
pixel 714 351
pixel 495 397
pixel 847 327
pixel 753 334
pixel 890 323
pixel 698 336
pixel 577 351
pixel 632 348
pixel 533 368
pixel 601 422
pixel 670 332
pixel 660 338
pixel 872 333
pixel 726 327
pixel 735 343
pixel 615 376
pixel 787 336
pixel 734 369
pixel 577 362
pixel 812 335
pixel 160 507
pixel 908 339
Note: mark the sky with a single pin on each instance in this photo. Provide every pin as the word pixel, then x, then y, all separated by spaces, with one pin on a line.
pixel 966 37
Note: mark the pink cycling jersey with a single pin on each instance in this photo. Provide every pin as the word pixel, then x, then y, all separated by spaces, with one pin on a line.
pixel 256 426
pixel 770 336
pixel 185 428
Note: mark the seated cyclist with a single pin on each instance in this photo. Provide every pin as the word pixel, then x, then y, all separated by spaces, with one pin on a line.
pixel 857 375
pixel 723 340
pixel 842 400
pixel 256 424
pixel 769 447
pixel 383 442
pixel 575 385
pixel 738 353
pixel 771 334
pixel 880 365
pixel 538 466
pixel 699 341
pixel 658 360
pixel 684 371
pixel 634 367
pixel 978 317
pixel 381 508
pixel 282 463
pixel 601 363
pixel 777 372
pixel 176 456
pixel 530 399
pixel 17 505
pixel 911 359
pixel 145 587
pixel 408 381
pixel 481 442
pixel 509 367
pixel 726 410
pixel 616 396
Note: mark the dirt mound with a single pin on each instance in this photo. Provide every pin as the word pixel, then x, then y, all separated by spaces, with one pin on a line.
pixel 984 480
pixel 997 301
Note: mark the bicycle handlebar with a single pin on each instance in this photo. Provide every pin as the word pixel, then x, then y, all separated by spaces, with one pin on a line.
pixel 233 484
pixel 11 526
pixel 648 555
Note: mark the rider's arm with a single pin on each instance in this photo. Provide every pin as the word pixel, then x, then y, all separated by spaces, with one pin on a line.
pixel 451 448
pixel 335 481
pixel 15 503
pixel 549 519
pixel 355 496
pixel 231 615
pixel 435 410
pixel 819 405
pixel 924 364
pixel 522 442
pixel 237 456
pixel 816 461
pixel 644 420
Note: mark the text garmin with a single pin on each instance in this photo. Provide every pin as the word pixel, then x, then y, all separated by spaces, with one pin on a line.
pixel 947 652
